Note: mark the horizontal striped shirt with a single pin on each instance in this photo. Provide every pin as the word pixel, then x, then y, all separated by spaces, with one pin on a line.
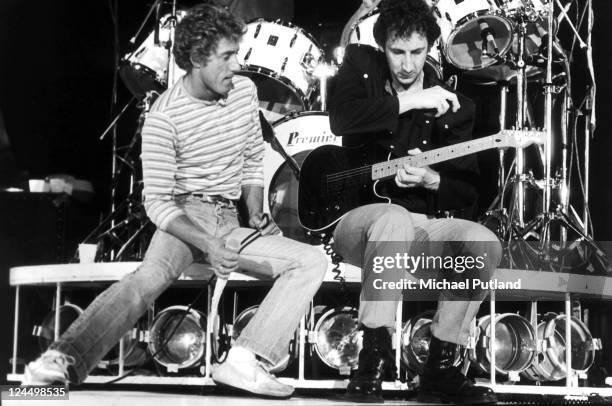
pixel 190 145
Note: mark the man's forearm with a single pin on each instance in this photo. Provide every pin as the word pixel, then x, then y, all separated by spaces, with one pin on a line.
pixel 187 231
pixel 252 197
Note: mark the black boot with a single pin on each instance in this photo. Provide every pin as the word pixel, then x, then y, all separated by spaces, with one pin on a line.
pixel 376 363
pixel 442 382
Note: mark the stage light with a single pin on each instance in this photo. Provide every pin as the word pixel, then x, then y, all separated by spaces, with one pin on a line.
pixel 185 347
pixel 337 341
pixel 515 344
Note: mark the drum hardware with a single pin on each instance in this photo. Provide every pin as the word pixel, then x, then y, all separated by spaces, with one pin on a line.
pixel 154 7
pixel 146 72
pixel 269 137
pixel 323 72
pixel 126 231
pixel 541 226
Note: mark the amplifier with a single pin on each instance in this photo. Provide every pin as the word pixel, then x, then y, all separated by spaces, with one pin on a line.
pixel 42 228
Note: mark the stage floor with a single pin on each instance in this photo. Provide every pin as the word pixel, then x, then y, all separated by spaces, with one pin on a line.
pixel 143 398
pixel 206 396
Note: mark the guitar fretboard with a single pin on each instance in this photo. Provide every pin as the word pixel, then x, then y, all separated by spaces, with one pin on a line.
pixel 388 169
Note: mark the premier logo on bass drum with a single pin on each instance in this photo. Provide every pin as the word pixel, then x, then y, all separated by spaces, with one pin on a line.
pixel 296 139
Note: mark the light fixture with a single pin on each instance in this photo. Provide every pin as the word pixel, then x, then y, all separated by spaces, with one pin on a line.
pixel 336 339
pixel 515 344
pixel 186 338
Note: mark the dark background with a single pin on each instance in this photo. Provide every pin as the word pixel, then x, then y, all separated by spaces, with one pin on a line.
pixel 56 80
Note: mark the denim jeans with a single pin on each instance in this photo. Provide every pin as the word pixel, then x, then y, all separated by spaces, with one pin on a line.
pixel 297 270
pixel 358 238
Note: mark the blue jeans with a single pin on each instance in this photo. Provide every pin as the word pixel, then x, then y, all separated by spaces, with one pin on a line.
pixel 297 270
pixel 357 238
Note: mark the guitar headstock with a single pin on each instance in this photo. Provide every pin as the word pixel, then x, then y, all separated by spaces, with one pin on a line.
pixel 521 138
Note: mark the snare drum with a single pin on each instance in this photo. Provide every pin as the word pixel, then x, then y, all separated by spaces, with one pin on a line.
pixel 298 134
pixel 464 24
pixel 146 68
pixel 363 33
pixel 280 58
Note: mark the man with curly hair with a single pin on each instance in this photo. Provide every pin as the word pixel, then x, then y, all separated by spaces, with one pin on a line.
pixel 385 103
pixel 202 152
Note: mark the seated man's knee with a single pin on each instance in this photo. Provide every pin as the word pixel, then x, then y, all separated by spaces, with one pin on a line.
pixel 314 261
pixel 394 222
pixel 484 242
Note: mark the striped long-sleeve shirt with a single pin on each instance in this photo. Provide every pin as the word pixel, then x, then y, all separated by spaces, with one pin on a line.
pixel 190 145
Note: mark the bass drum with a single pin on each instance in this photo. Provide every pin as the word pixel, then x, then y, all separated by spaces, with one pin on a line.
pixel 298 134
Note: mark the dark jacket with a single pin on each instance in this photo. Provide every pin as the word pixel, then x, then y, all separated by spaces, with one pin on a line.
pixel 363 112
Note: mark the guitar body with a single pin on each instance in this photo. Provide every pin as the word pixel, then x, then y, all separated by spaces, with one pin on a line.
pixel 323 195
pixel 334 180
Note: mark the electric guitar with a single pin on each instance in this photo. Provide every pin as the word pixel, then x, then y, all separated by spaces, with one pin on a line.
pixel 333 180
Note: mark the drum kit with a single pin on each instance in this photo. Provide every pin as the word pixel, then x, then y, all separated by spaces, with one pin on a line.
pixel 499 42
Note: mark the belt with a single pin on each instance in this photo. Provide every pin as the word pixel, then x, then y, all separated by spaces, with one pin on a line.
pixel 214 199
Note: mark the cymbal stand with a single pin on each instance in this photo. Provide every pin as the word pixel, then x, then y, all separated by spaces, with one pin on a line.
pixel 518 208
pixel 496 209
pixel 559 215
pixel 172 21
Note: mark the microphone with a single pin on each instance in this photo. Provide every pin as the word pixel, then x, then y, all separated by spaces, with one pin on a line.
pixel 488 37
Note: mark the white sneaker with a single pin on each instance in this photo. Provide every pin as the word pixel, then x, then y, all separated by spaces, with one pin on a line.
pixel 251 376
pixel 49 368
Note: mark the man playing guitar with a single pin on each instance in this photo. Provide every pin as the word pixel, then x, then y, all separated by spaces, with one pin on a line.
pixel 385 103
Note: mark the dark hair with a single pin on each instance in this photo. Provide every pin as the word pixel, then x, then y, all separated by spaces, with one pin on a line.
pixel 402 18
pixel 199 33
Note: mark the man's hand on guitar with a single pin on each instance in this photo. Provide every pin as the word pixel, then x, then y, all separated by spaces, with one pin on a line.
pixel 410 176
pixel 264 224
pixel 433 98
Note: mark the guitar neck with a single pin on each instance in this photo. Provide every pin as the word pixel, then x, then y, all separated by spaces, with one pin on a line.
pixel 388 169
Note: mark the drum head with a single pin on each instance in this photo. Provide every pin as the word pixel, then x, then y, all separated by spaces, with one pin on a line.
pixel 274 94
pixel 283 199
pixel 464 46
pixel 298 134
pixel 140 79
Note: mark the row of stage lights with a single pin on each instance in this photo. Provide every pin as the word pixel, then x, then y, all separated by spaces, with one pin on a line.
pixel 520 350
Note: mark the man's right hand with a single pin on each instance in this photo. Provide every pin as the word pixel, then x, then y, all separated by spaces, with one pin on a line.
pixel 436 98
pixel 222 258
